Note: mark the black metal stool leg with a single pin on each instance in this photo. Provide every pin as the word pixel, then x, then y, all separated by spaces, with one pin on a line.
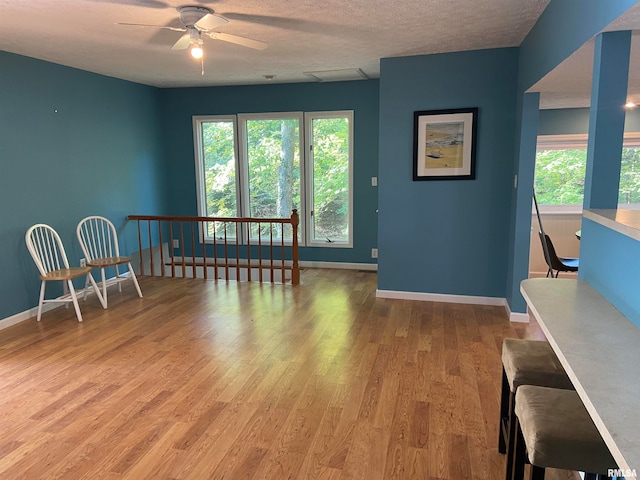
pixel 519 454
pixel 504 414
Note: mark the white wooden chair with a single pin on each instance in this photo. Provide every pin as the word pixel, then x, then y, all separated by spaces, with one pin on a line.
pixel 48 253
pixel 99 243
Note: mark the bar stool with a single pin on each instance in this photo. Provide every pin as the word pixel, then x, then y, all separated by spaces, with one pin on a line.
pixel 525 362
pixel 554 430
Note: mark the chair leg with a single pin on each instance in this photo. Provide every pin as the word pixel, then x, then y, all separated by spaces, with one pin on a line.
pixel 104 287
pixel 72 291
pixel 43 283
pixel 135 279
pixel 102 300
pixel 86 287
pixel 115 267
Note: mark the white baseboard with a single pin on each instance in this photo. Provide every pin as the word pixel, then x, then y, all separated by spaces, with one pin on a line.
pixel 32 312
pixel 516 317
pixel 26 315
pixel 448 298
pixel 340 265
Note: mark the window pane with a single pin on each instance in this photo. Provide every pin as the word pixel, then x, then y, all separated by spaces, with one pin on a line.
pixel 330 197
pixel 559 176
pixel 273 161
pixel 630 176
pixel 219 169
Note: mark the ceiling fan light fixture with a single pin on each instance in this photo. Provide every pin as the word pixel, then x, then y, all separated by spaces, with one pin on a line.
pixel 196 50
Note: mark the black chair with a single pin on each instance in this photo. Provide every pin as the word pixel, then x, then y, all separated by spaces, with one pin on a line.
pixel 554 262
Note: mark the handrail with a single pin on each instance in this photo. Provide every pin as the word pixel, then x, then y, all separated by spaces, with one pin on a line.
pixel 214 249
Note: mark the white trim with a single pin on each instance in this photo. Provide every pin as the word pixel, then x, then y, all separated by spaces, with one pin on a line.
pixel 514 316
pixel 340 265
pixel 309 160
pixel 519 317
pixel 578 141
pixel 33 312
pixel 448 298
pixel 26 315
pixel 441 297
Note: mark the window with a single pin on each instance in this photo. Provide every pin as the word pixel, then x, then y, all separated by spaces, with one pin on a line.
pixel 561 165
pixel 266 165
pixel 329 163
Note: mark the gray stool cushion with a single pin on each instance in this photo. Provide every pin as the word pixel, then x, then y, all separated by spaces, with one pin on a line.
pixel 532 362
pixel 559 432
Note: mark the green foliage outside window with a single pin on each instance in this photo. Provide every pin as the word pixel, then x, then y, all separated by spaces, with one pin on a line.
pixel 559 177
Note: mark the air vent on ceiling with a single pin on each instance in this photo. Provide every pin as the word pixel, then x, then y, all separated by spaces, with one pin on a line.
pixel 337 75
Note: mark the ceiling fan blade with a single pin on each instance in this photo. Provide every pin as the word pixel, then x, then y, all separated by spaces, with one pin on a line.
pixel 174 29
pixel 210 21
pixel 139 3
pixel 245 42
pixel 182 43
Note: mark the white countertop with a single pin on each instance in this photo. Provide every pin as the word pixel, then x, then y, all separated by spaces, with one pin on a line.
pixel 600 350
pixel 623 221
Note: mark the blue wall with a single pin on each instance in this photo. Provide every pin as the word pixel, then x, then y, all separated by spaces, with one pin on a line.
pixel 610 262
pixel 72 144
pixel 446 236
pixel 179 105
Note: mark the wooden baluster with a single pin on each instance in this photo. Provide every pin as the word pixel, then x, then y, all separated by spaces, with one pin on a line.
pixel 173 259
pixel 150 249
pixel 282 253
pixel 184 266
pixel 248 230
pixel 226 253
pixel 237 252
pixel 161 249
pixel 295 269
pixel 193 251
pixel 215 252
pixel 140 248
pixel 271 251
pixel 260 251
pixel 204 248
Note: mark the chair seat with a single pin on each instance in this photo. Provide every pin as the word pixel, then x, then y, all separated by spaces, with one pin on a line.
pixel 532 362
pixel 66 273
pixel 108 261
pixel 558 431
pixel 571 264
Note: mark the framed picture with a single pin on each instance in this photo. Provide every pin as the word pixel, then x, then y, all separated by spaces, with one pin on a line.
pixel 445 144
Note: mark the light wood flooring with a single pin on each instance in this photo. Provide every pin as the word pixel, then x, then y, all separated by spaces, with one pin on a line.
pixel 205 380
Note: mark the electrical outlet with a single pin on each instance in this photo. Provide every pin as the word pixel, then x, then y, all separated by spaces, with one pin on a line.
pixel 374 181
pixel 374 253
pixel 83 262
pixel 176 243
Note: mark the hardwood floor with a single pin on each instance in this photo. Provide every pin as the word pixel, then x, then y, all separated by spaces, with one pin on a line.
pixel 202 380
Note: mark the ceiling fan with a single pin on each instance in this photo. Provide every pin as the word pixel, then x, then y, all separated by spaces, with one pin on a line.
pixel 197 21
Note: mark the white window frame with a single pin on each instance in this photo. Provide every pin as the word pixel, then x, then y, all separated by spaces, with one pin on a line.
pixel 309 117
pixel 197 122
pixel 242 174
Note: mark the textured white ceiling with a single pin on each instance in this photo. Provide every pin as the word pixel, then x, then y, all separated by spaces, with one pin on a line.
pixel 303 35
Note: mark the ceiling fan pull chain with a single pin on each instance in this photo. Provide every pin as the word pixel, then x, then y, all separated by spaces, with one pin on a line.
pixel 202 65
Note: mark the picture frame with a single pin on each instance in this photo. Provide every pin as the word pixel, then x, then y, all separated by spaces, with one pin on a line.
pixel 445 144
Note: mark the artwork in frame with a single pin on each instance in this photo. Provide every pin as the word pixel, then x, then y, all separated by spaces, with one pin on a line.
pixel 445 144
